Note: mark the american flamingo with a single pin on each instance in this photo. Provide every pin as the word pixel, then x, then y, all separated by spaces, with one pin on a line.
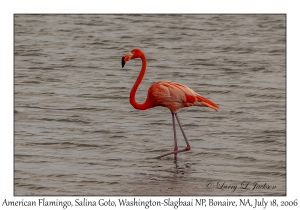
pixel 168 94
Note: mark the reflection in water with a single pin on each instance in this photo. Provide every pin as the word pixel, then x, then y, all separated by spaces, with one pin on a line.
pixel 171 180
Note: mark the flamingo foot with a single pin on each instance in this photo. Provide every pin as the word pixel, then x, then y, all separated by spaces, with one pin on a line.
pixel 175 152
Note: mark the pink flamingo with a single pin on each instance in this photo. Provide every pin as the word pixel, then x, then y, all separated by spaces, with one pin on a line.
pixel 168 94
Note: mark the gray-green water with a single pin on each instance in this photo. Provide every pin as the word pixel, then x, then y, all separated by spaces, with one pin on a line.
pixel 77 134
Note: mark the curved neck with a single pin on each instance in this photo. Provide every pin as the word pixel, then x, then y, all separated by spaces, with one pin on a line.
pixel 146 104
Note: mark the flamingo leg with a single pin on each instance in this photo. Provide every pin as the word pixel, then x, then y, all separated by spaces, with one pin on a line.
pixel 188 147
pixel 175 140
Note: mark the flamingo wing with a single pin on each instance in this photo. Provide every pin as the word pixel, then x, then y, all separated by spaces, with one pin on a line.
pixel 175 96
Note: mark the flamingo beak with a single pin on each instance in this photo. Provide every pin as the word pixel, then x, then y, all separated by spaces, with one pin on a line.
pixel 123 61
pixel 126 58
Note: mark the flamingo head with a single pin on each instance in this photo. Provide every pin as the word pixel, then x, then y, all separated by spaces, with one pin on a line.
pixel 135 53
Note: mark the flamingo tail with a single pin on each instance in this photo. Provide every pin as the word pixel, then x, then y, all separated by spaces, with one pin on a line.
pixel 206 102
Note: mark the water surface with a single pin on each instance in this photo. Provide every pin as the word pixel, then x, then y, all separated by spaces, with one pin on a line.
pixel 77 134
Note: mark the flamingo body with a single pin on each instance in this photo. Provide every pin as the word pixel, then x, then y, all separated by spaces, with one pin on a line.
pixel 175 96
pixel 167 94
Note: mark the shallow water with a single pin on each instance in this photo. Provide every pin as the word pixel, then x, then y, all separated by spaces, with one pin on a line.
pixel 77 134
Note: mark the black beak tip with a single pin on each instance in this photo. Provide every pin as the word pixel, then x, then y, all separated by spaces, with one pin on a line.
pixel 123 61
